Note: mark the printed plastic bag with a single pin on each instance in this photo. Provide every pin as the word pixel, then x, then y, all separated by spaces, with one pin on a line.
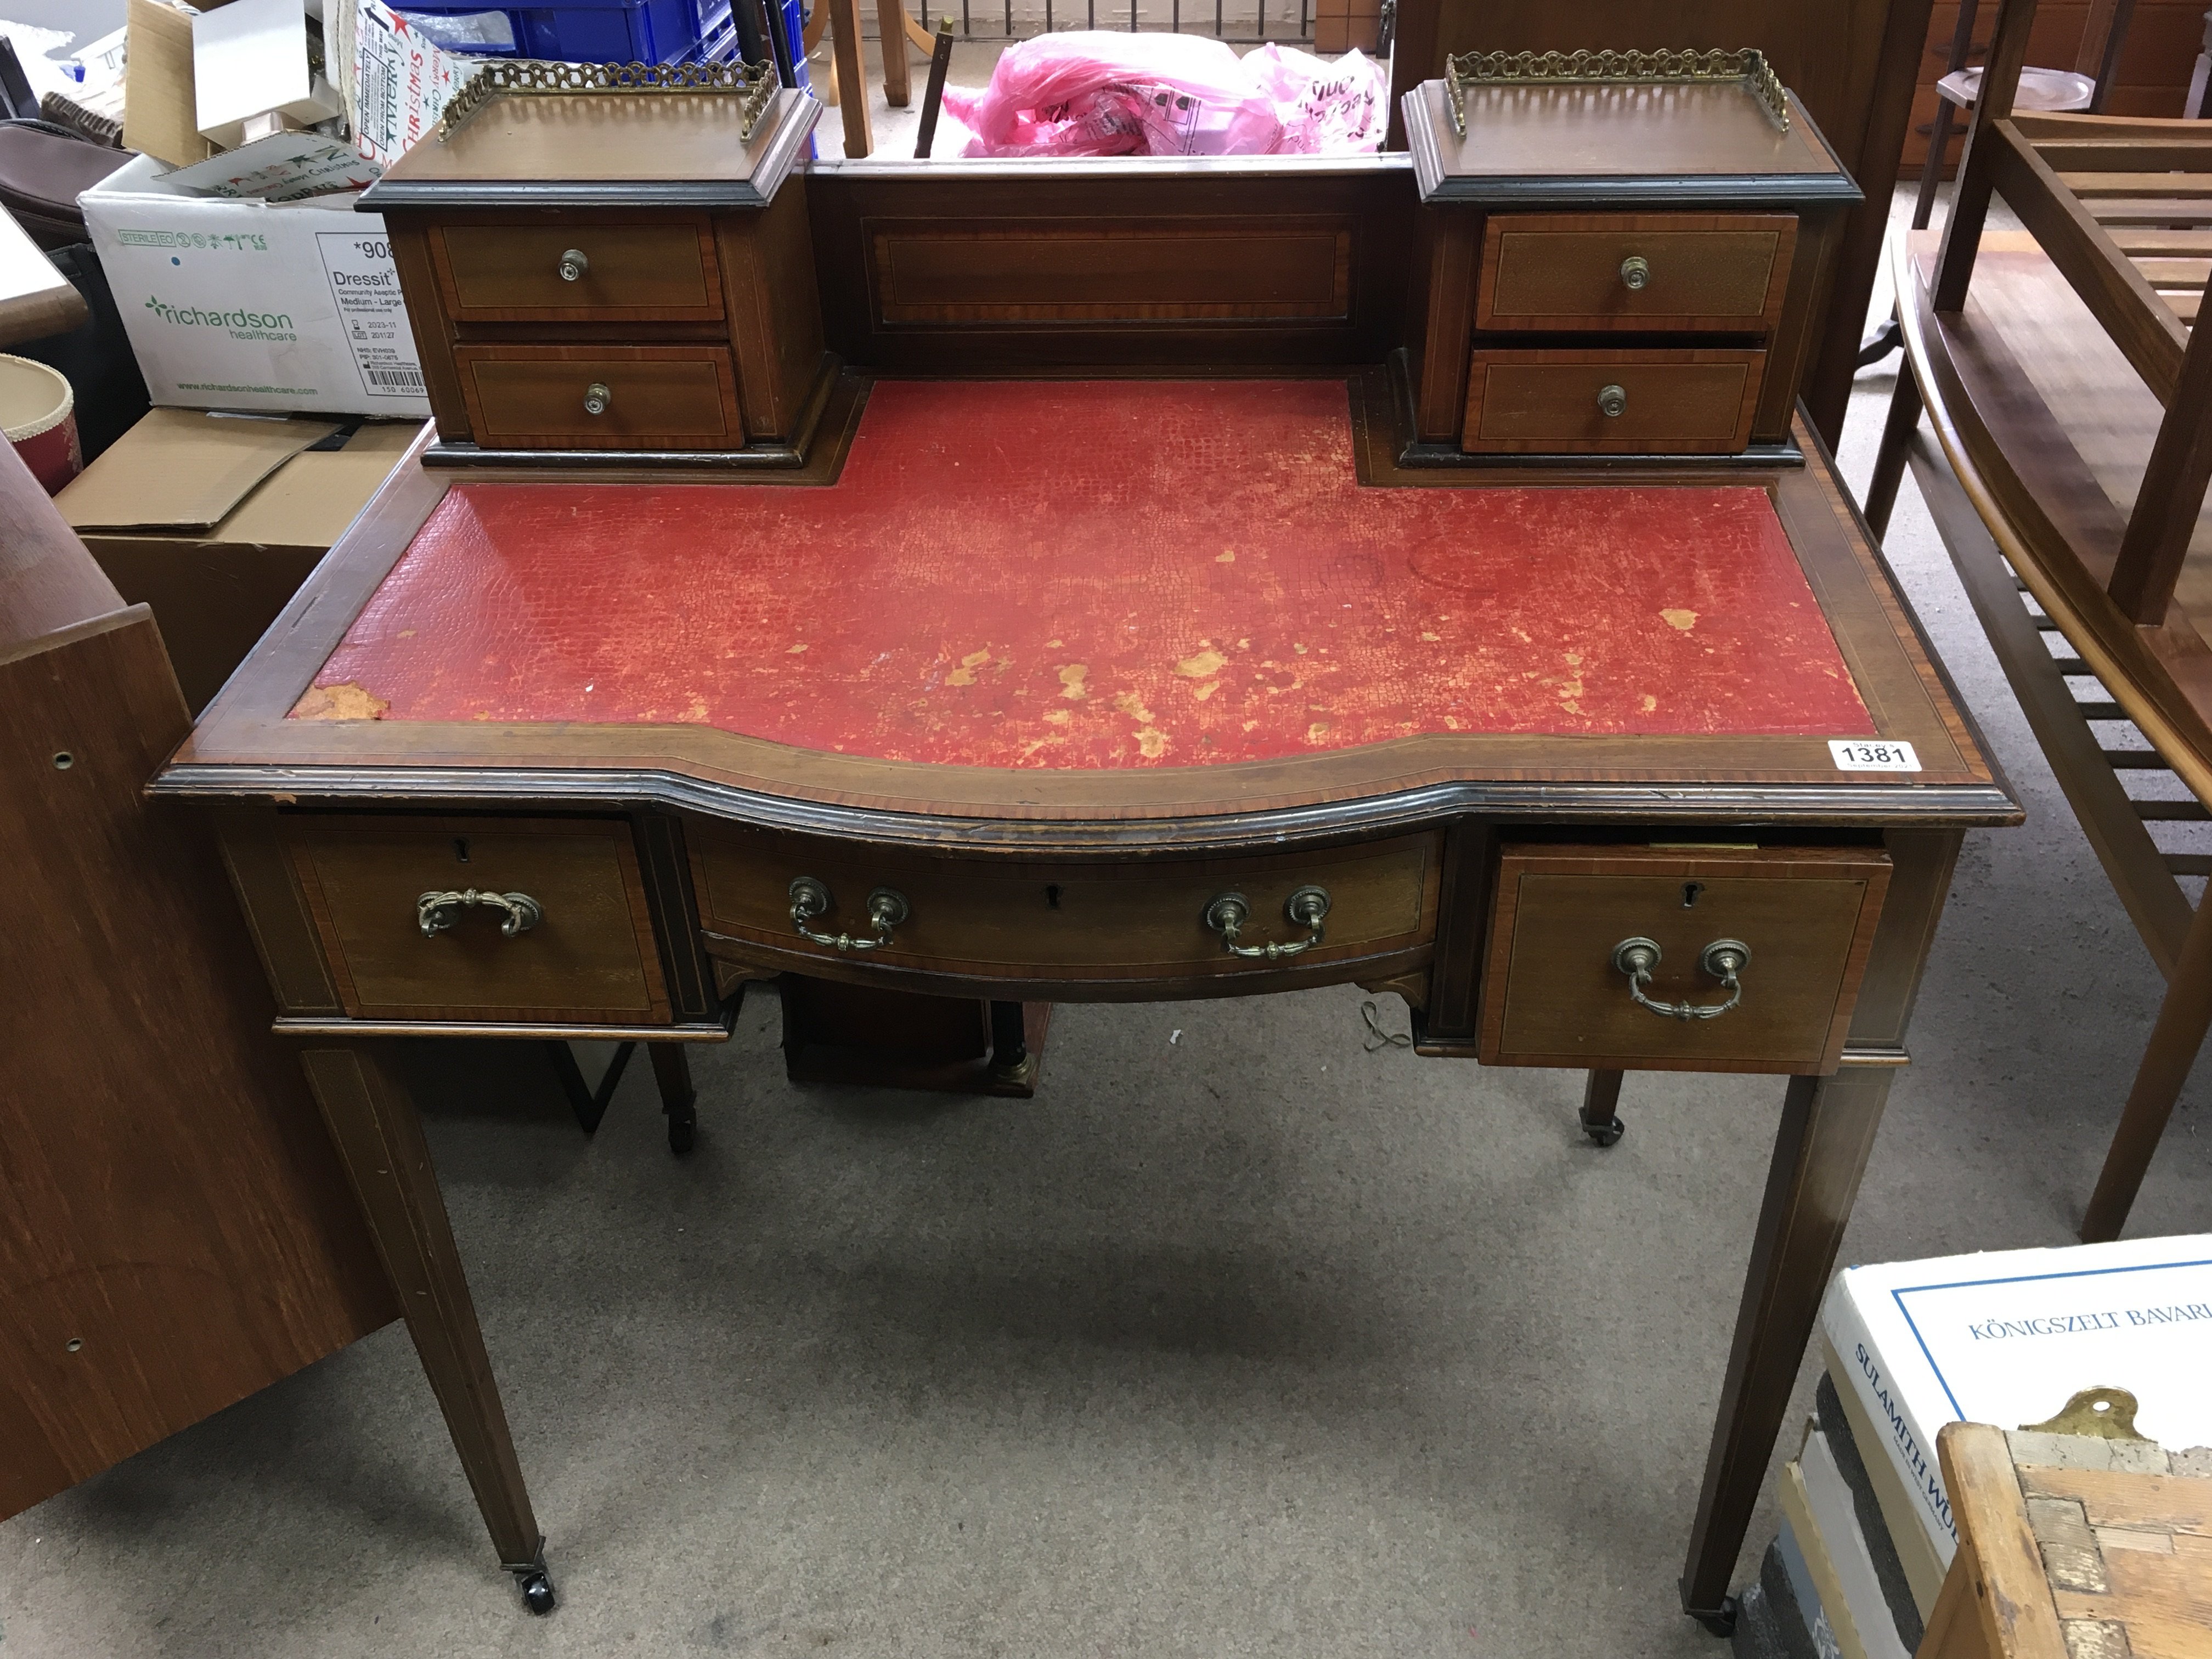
pixel 1097 93
pixel 1327 109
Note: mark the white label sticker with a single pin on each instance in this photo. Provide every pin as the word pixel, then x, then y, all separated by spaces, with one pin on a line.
pixel 1871 754
pixel 372 313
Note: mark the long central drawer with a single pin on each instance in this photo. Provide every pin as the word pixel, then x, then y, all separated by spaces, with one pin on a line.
pixel 1068 922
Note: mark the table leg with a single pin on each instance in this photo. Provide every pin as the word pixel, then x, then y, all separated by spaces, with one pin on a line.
pixel 371 1120
pixel 672 1071
pixel 1827 1130
pixel 2183 1018
pixel 1600 1116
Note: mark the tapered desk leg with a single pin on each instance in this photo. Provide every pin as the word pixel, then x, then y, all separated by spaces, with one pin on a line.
pixel 1600 1113
pixel 2183 1019
pixel 373 1122
pixel 1827 1131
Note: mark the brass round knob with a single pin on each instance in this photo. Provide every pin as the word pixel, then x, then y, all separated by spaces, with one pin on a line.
pixel 1612 401
pixel 597 397
pixel 1635 271
pixel 574 264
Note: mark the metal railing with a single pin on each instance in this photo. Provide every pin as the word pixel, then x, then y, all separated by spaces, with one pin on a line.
pixel 1062 13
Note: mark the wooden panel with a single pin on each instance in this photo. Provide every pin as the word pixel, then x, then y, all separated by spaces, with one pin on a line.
pixel 1182 283
pixel 1087 921
pixel 1678 402
pixel 175 1232
pixel 662 396
pixel 1553 997
pixel 592 958
pixel 639 270
pixel 433 331
pixel 1715 272
pixel 776 311
pixel 1131 271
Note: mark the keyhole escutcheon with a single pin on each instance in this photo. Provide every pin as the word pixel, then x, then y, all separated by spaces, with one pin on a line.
pixel 1690 892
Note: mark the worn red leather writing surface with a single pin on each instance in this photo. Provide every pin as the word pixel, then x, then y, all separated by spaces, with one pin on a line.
pixel 1099 575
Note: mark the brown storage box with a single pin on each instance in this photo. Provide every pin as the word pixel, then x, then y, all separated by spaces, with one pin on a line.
pixel 214 520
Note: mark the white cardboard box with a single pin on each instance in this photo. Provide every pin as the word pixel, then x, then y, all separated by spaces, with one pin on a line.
pixel 250 57
pixel 249 305
pixel 2010 1336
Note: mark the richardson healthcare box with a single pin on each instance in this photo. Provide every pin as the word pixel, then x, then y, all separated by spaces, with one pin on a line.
pixel 252 304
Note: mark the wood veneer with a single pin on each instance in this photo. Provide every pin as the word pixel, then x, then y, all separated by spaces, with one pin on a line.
pixel 1808 915
pixel 1678 402
pixel 160 1260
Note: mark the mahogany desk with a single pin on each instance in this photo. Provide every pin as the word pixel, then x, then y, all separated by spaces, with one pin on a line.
pixel 1019 698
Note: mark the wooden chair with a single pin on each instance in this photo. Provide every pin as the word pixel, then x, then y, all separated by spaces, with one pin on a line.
pixel 2106 32
pixel 2072 400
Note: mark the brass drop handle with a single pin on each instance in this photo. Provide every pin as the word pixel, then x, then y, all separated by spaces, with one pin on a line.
pixel 810 899
pixel 1613 401
pixel 435 913
pixel 1635 272
pixel 1228 912
pixel 574 264
pixel 597 397
pixel 1725 959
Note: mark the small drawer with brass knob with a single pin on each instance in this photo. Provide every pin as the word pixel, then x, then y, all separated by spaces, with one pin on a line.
pixel 663 272
pixel 601 397
pixel 1717 273
pixel 507 920
pixel 1607 400
pixel 1695 956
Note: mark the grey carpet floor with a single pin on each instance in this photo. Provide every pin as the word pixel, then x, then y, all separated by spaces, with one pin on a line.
pixel 1239 1340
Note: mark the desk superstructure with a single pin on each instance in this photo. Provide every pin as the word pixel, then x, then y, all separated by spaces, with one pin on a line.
pixel 1117 633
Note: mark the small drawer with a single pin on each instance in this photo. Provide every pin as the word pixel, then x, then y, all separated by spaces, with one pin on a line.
pixel 548 396
pixel 1611 402
pixel 1095 924
pixel 1720 273
pixel 1567 923
pixel 625 273
pixel 587 954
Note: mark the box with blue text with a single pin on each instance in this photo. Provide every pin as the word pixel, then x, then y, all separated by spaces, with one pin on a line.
pixel 2008 1337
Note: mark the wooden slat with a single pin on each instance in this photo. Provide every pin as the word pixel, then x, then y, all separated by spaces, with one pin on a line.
pixel 2181 186
pixel 2164 274
pixel 2189 154
pixel 2134 760
pixel 2142 325
pixel 2183 306
pixel 2100 710
pixel 2172 811
pixel 2018 1617
pixel 2164 243
pixel 2190 864
pixel 2169 211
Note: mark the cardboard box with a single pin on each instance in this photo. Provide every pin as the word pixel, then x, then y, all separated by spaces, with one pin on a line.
pixel 160 116
pixel 214 521
pixel 254 58
pixel 252 305
pixel 2009 1336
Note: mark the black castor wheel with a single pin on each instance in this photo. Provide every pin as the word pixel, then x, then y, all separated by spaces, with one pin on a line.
pixel 1720 1620
pixel 1607 1132
pixel 537 1591
pixel 683 1128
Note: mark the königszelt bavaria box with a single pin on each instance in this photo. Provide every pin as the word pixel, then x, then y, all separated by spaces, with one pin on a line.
pixel 2008 1337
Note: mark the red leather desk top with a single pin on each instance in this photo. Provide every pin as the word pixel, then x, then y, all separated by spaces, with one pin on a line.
pixel 1100 574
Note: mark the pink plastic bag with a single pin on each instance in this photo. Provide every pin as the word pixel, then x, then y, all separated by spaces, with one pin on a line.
pixel 1325 109
pixel 1097 92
